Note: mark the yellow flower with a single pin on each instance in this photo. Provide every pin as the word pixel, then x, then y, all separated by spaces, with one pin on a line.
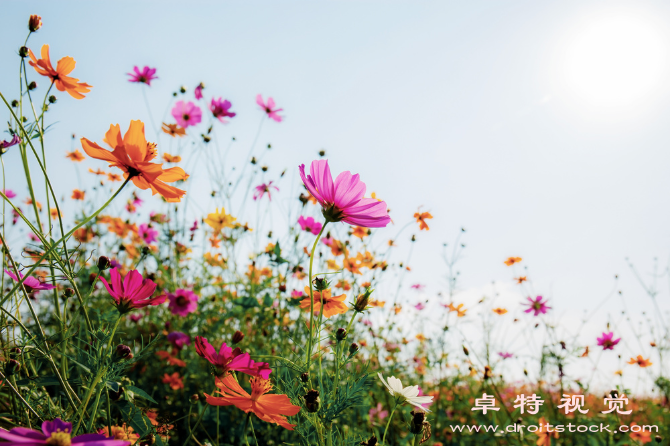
pixel 219 220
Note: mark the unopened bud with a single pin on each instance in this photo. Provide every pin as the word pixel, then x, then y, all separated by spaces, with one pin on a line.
pixel 353 349
pixel 362 300
pixel 23 51
pixel 195 398
pixel 32 85
pixel 182 89
pixel 123 352
pixel 416 425
pixel 52 99
pixel 145 250
pixel 312 401
pixel 15 103
pixel 12 367
pixel 658 438
pixel 115 396
pixel 466 351
pixel 68 292
pixel 34 23
pixel 321 283
pixel 237 337
pixel 304 377
pixel 341 334
pixel 282 288
pixel 103 263
pixel 323 153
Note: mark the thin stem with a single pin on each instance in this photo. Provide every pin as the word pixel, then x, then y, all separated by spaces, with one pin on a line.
pixel 197 423
pixel 311 298
pixel 388 423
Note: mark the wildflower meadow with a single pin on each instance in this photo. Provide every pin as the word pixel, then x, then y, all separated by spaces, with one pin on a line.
pixel 176 297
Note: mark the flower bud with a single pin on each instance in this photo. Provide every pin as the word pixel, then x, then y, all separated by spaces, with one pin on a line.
pixel 34 23
pixel 182 89
pixel 304 377
pixel 321 284
pixel 12 367
pixel 123 351
pixel 15 103
pixel 237 337
pixel 658 438
pixel 487 372
pixel 52 99
pixel 68 292
pixel 195 398
pixel 353 349
pixel 466 351
pixel 145 250
pixel 341 334
pixel 115 396
pixel 362 301
pixel 23 51
pixel 103 263
pixel 32 85
pixel 322 153
pixel 312 401
pixel 15 352
pixel 416 425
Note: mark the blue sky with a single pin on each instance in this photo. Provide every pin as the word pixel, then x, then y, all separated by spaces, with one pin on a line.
pixel 470 109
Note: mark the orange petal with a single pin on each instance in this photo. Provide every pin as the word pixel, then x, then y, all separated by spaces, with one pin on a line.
pixel 173 174
pixel 95 151
pixel 65 66
pixel 113 136
pixel 135 142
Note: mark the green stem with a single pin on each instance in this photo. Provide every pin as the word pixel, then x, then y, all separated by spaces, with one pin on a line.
pixel 197 423
pixel 311 298
pixel 244 429
pixel 388 423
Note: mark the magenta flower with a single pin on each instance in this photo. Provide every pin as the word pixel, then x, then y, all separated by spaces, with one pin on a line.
pixel 145 76
pixel 147 233
pixel 537 306
pixel 134 292
pixel 198 92
pixel 186 114
pixel 264 189
pixel 343 200
pixel 418 286
pixel 310 225
pixel 296 294
pixel 31 283
pixel 55 433
pixel 12 142
pixel 221 109
pixel 228 360
pixel 377 412
pixel 606 341
pixel 194 227
pixel 505 355
pixel 269 108
pixel 183 302
pixel 179 339
pixel 419 306
pixel 9 193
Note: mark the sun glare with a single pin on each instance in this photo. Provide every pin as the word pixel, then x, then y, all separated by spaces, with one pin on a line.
pixel 614 61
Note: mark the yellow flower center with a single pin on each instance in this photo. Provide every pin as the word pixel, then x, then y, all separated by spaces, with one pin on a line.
pixel 59 438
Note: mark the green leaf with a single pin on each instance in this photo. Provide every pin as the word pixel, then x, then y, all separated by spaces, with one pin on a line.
pixel 141 393
pixel 246 302
pixel 267 300
pixel 135 418
pixel 112 385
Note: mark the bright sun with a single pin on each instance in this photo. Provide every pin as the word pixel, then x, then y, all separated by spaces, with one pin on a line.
pixel 614 61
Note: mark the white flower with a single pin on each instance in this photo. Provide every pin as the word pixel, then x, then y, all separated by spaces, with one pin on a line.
pixel 409 394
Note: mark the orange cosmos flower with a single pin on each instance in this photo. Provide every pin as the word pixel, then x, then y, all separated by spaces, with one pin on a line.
pixel 544 435
pixel 113 177
pixel 421 220
pixel 120 433
pixel 174 381
pixel 75 155
pixel 512 260
pixel 78 194
pixel 352 266
pixel 29 202
pixel 586 352
pixel 97 172
pixel 641 436
pixel 173 130
pixel 499 311
pixel 269 408
pixel 332 305
pixel 171 159
pixel 59 77
pixel 360 232
pixel 520 280
pixel 640 361
pixel 460 311
pixel 132 154
pixel 54 213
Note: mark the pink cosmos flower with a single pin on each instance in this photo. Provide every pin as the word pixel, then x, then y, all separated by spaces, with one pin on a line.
pixel 263 189
pixel 32 236
pixel 194 227
pixel 31 283
pixel 147 233
pixel 419 306
pixel 269 108
pixel 55 433
pixel 310 225
pixel 221 109
pixel 198 92
pixel 327 240
pixel 183 302
pixel 179 339
pixel 145 76
pixel 228 360
pixel 377 412
pixel 12 142
pixel 296 294
pixel 343 200
pixel 186 114
pixel 136 317
pixel 537 306
pixel 9 193
pixel 418 286
pixel 134 292
pixel 505 355
pixel 606 341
